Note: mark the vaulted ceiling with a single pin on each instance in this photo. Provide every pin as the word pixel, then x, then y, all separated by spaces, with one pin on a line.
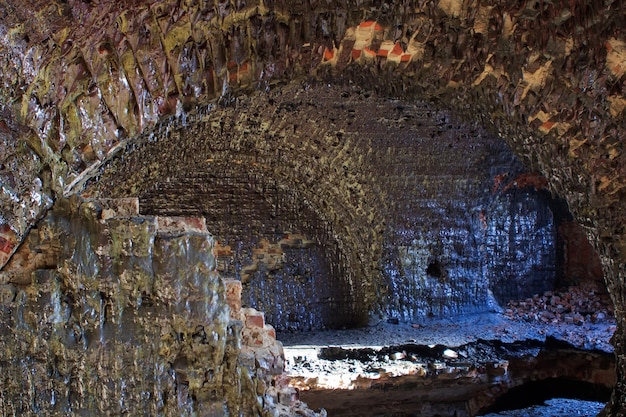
pixel 83 83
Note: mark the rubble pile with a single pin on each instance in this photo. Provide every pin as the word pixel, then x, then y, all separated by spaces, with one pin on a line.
pixel 439 380
pixel 578 305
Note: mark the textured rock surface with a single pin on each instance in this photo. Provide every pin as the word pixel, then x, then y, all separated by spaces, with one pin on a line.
pixel 436 380
pixel 395 222
pixel 81 80
pixel 110 312
pixel 576 305
pixel 557 407
pixel 359 368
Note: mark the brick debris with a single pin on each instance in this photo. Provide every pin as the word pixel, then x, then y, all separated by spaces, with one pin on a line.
pixel 586 303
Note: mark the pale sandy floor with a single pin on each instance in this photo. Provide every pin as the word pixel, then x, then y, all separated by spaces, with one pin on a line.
pixel 457 331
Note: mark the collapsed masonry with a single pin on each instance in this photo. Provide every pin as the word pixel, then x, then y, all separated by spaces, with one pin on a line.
pixel 82 80
pixel 107 310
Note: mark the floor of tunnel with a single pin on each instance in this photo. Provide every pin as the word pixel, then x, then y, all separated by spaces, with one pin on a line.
pixel 556 407
pixel 585 320
pixel 454 331
pixel 325 364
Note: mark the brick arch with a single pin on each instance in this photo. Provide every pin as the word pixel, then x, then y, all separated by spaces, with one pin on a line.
pixel 549 78
pixel 81 101
pixel 294 262
pixel 287 155
pixel 381 181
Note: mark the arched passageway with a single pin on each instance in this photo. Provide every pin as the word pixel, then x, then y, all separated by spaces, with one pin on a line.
pixel 348 216
pixel 81 82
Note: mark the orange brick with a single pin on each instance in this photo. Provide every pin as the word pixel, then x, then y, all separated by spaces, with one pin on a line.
pixel 270 331
pixel 255 320
pixel 397 49
pixel 370 23
pixel 368 52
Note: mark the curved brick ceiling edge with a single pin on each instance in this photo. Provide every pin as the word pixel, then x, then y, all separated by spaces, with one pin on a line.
pixel 79 80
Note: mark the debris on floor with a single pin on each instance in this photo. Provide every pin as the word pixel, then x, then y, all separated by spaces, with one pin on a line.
pixel 349 368
pixel 574 305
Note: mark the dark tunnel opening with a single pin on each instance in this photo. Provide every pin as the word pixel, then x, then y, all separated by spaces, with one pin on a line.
pixel 538 392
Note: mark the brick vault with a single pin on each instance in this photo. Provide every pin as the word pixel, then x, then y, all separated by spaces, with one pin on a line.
pixel 312 121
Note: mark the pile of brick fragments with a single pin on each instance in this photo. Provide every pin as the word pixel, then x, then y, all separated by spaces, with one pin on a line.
pixel 587 303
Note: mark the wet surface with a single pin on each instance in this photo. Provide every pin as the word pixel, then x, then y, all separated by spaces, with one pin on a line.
pixel 53 79
pixel 442 221
pixel 135 319
pixel 556 407
pixel 446 366
pixel 455 331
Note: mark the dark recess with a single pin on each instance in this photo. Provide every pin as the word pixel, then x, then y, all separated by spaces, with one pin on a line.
pixel 537 392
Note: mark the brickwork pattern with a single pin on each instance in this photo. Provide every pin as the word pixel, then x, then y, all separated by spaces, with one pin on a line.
pixel 96 277
pixel 80 80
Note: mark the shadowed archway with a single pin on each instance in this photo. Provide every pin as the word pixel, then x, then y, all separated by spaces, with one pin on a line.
pixel 81 81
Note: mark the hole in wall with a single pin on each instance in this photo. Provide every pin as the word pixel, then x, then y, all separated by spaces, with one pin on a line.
pixel 435 269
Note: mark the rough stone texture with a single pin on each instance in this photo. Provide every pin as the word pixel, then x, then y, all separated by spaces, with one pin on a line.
pixel 558 407
pixel 437 380
pixel 581 261
pixel 127 313
pixel 520 240
pixel 412 231
pixel 80 79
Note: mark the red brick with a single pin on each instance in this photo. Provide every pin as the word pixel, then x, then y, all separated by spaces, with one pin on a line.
pixel 8 242
pixel 369 52
pixel 270 331
pixel 6 245
pixel 175 225
pixel 254 319
pixel 397 49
